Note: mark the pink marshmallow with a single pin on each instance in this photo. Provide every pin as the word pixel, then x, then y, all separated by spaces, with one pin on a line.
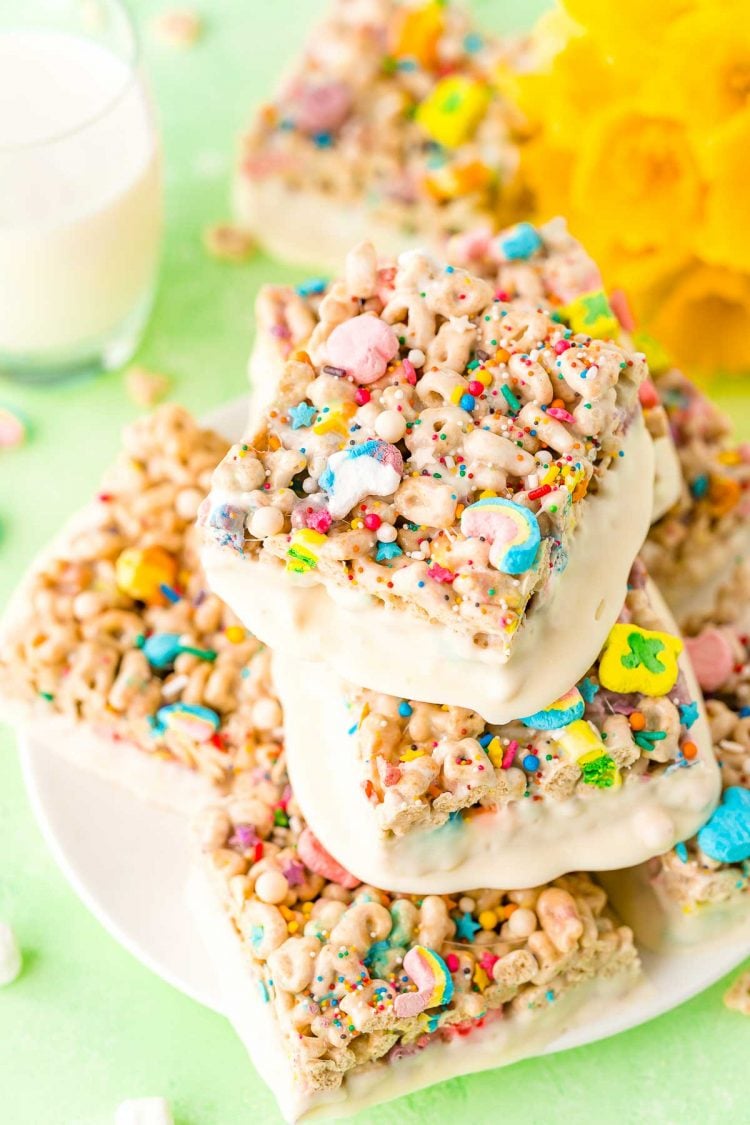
pixel 648 396
pixel 712 657
pixel 620 306
pixel 363 347
pixel 320 107
pixel 313 855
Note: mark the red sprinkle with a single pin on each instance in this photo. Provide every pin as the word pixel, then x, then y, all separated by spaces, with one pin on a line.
pixel 561 346
pixel 362 396
pixel 372 521
pixel 476 388
pixel 538 493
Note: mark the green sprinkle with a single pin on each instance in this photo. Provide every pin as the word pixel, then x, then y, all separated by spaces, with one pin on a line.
pixel 513 402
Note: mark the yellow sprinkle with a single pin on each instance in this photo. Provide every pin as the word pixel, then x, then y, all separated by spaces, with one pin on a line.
pixel 488 919
pixel 480 978
pixel 410 755
pixel 235 634
pixel 293 927
pixel 495 752
pixel 730 457
pixel 488 494
pixel 482 377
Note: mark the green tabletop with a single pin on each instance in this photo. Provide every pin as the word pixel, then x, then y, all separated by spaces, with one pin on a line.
pixel 86 1025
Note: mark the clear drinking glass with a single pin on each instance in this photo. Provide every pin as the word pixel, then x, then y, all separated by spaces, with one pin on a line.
pixel 80 188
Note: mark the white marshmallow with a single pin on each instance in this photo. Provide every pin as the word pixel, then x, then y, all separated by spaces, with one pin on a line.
pixel 144 1111
pixel 10 955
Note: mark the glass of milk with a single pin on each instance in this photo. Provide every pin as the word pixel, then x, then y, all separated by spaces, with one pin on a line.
pixel 80 188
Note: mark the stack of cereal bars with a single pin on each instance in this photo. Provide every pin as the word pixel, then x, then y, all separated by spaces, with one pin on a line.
pixel 410 653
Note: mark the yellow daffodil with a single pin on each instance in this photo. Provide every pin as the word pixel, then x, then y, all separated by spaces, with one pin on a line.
pixel 626 25
pixel 703 76
pixel 725 236
pixel 636 178
pixel 704 320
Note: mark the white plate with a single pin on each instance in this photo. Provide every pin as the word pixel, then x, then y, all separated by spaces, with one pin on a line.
pixel 90 825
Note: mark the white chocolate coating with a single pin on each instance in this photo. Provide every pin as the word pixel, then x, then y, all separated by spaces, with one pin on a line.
pixel 502 1042
pixel 390 651
pixel 521 844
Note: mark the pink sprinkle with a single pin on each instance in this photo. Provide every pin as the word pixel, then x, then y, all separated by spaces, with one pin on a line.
pixel 560 414
pixel 362 396
pixel 409 372
pixel 440 574
pixel 561 346
pixel 510 754
pixel 452 962
pixel 392 775
pixel 487 961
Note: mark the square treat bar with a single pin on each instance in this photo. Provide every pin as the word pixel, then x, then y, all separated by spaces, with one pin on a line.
pixel 430 799
pixel 345 995
pixel 697 551
pixel 391 125
pixel 444 483
pixel 531 266
pixel 115 649
pixel 699 889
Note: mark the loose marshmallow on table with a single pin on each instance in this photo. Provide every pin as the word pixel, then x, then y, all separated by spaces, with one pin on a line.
pixel 10 955
pixel 144 1111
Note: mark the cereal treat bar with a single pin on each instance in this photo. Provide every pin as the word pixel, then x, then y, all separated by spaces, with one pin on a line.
pixel 391 125
pixel 697 552
pixel 534 267
pixel 115 648
pixel 699 889
pixel 345 995
pixel 443 483
pixel 608 775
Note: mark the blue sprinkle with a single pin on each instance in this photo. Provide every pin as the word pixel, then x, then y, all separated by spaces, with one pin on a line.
pixel 466 402
pixel 699 487
pixel 449 269
pixel 682 852
pixel 473 43
pixel 323 140
pixel 354 729
pixel 312 286
pixel 530 763
pixel 405 710
pixel 387 551
pixel 485 739
pixel 549 996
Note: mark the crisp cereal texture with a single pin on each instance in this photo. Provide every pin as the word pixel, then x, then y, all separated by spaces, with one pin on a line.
pixel 686 875
pixel 695 540
pixel 398 108
pixel 328 952
pixel 422 391
pixel 422 763
pixel 81 646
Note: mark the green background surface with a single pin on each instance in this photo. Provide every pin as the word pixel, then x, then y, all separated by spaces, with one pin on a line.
pixel 86 1025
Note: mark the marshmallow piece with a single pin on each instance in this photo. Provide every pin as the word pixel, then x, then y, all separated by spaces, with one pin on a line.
pixel 712 658
pixel 362 346
pixel 10 955
pixel 371 469
pixel 144 1111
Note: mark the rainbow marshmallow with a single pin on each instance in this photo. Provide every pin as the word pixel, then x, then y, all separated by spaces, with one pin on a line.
pixel 512 530
pixel 564 711
pixel 434 983
pixel 188 719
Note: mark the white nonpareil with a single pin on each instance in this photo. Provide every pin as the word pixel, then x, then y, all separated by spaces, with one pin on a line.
pixel 10 955
pixel 144 1111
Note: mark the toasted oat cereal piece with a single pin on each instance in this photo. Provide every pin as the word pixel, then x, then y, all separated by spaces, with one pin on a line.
pixel 145 387
pixel 116 649
pixel 180 27
pixel 737 996
pixel 391 124
pixel 337 989
pixel 228 243
pixel 609 773
pixel 447 468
